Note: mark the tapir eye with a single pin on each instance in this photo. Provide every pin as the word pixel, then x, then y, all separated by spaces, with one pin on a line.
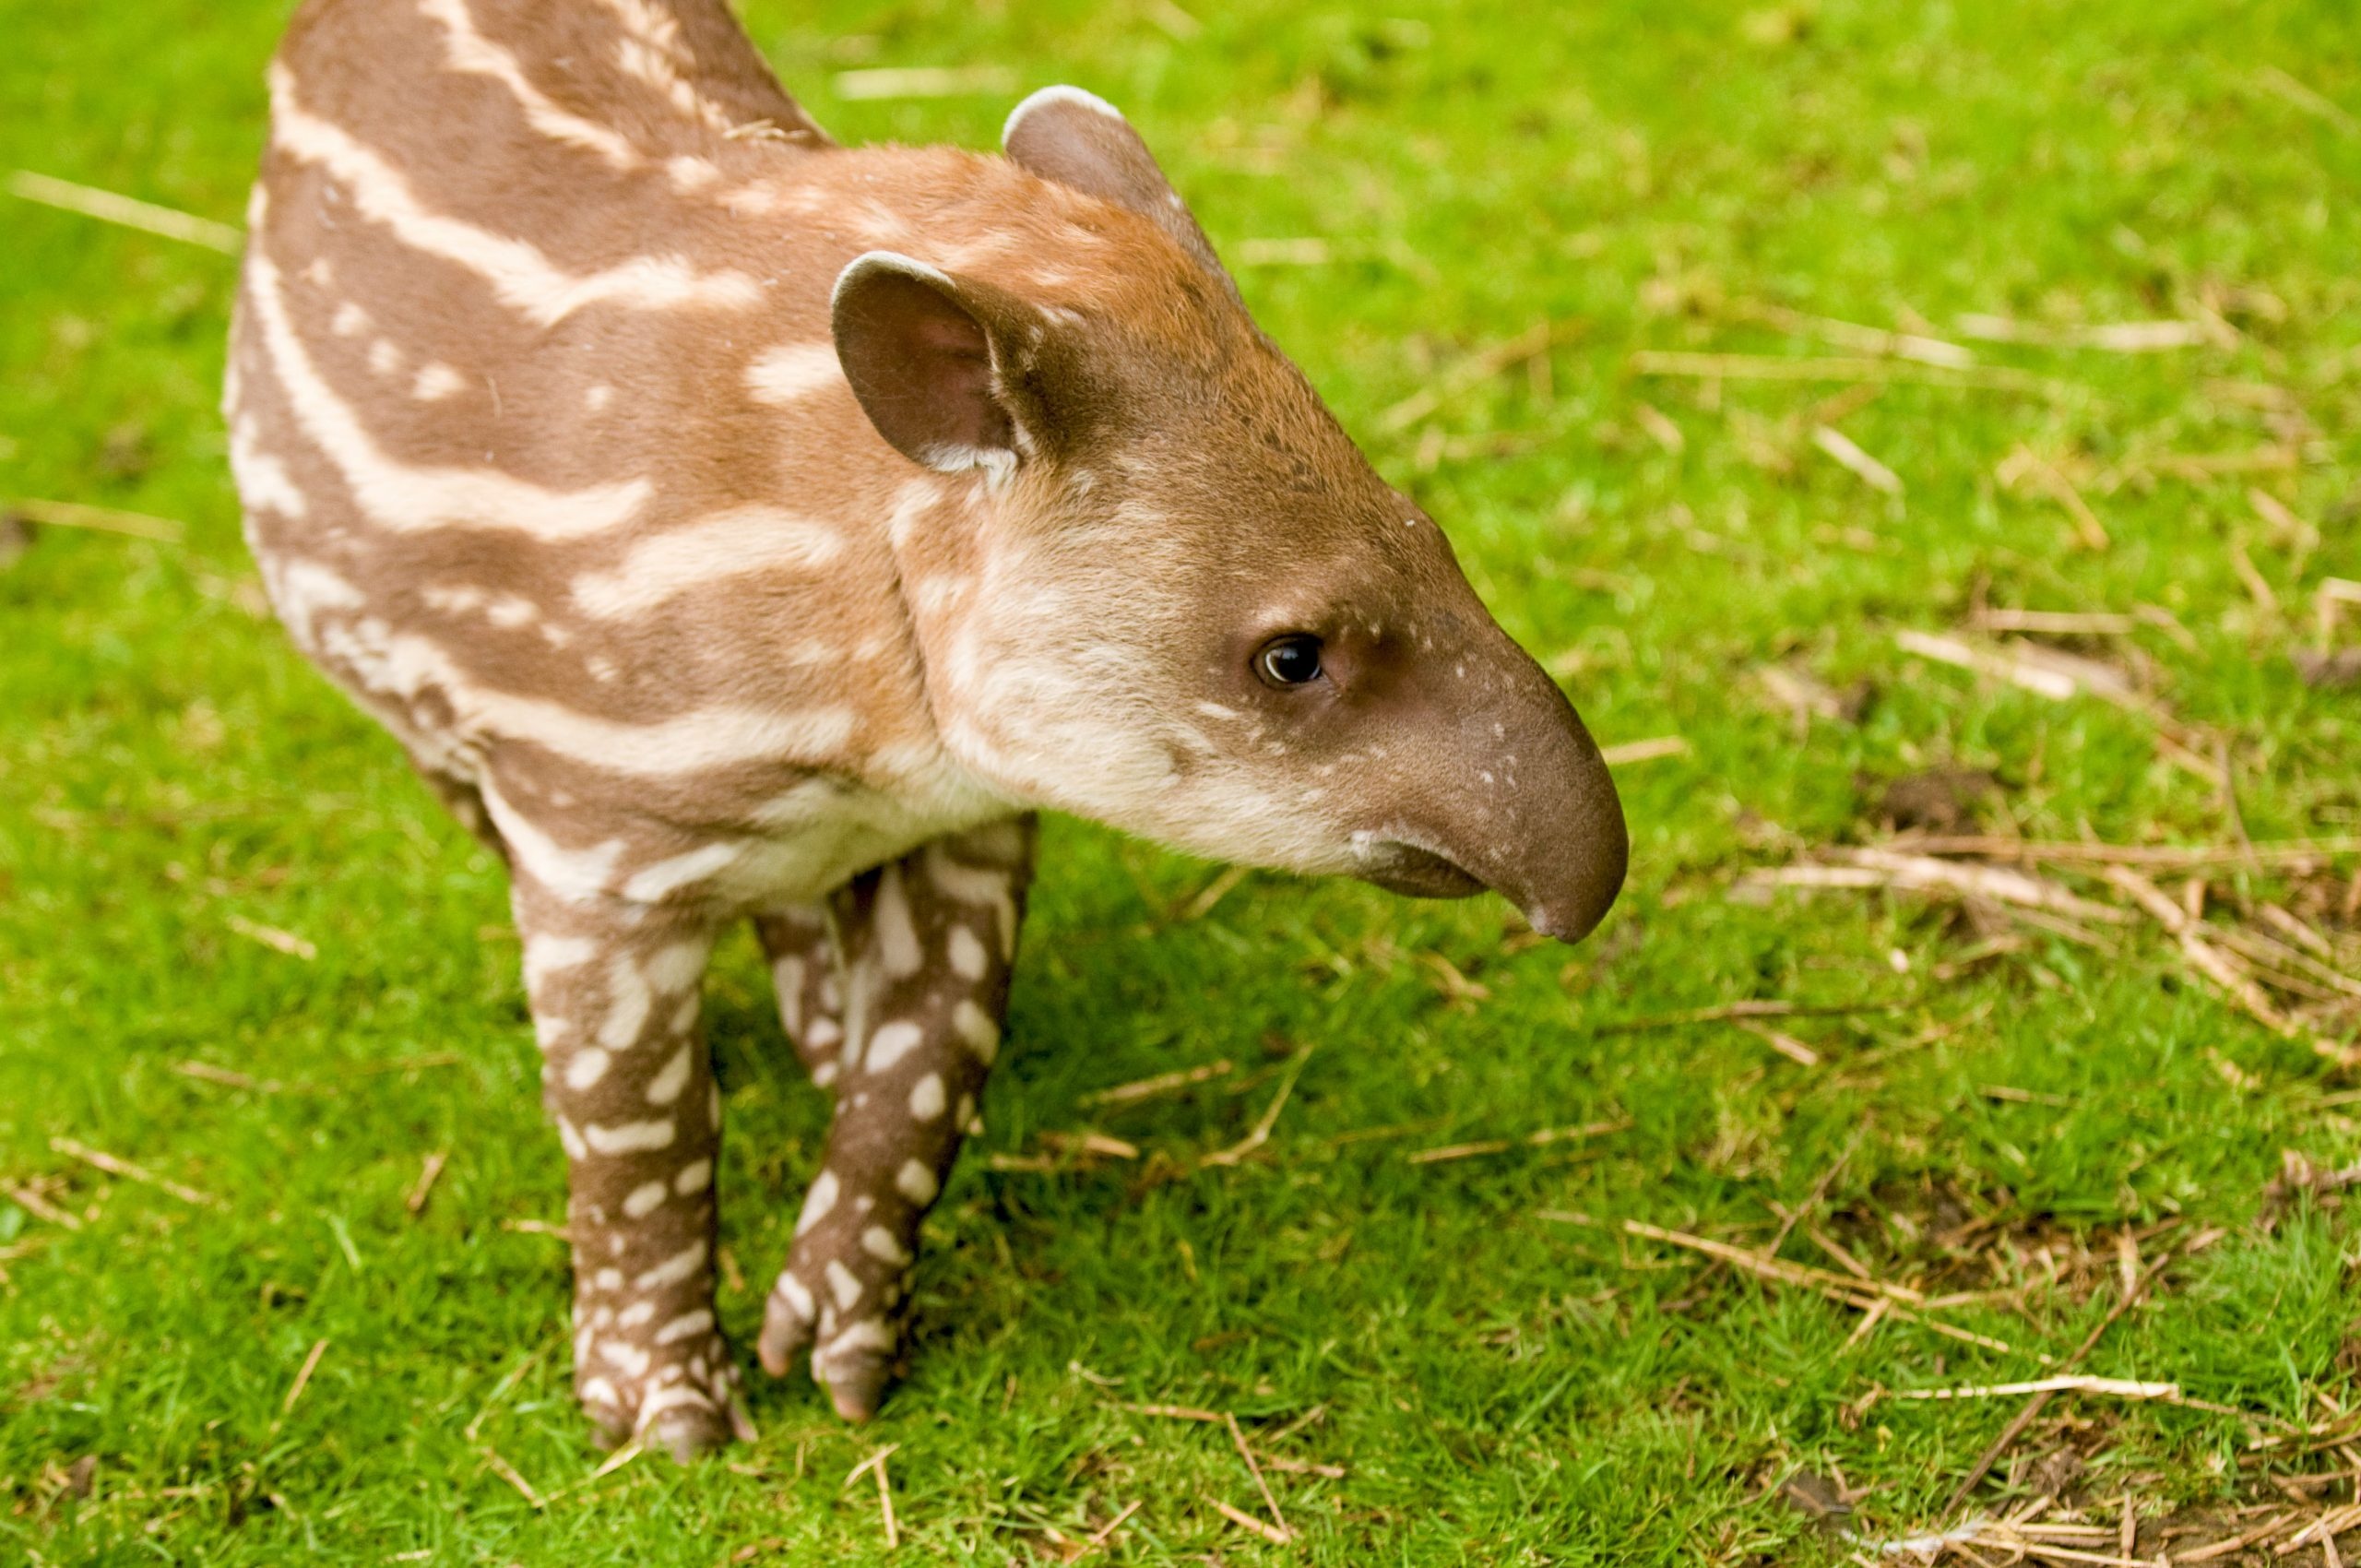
pixel 1290 660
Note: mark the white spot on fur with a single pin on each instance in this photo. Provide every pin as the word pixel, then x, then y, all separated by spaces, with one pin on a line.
pixel 790 1290
pixel 897 936
pixel 669 1397
pixel 631 1137
pixel 626 1355
pixel 681 1327
pixel 869 1334
pixel 653 883
pixel 968 960
pixel 546 956
pixel 792 372
pixel 976 1027
pixel 819 1202
pixel 689 174
pixel 786 984
pixel 879 1243
pixel 917 1182
pixel 927 1097
pixel 975 884
pixel 678 964
pixel 672 1270
pixel 303 591
pixel 843 1286
pixel 585 1067
pixel 940 593
pixel 645 1200
pixel 436 381
pixel 666 1086
pixel 264 483
pixel 891 1043
pixel 628 1002
pixel 695 1177
pixel 912 500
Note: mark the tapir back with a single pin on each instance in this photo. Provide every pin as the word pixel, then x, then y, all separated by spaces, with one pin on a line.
pixel 543 446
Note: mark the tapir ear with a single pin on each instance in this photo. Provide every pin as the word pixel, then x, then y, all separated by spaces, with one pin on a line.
pixel 1081 140
pixel 937 362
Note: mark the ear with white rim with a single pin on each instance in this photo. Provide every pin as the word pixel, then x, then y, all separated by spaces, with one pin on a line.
pixel 939 363
pixel 1081 140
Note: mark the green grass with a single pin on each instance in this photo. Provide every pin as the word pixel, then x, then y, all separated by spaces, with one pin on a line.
pixel 1500 1387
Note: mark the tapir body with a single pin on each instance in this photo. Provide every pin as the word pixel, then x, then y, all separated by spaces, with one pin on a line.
pixel 733 526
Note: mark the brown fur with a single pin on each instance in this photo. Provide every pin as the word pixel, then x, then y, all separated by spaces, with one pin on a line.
pixel 734 525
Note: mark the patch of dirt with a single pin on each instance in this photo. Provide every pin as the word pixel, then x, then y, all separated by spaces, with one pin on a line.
pixel 2058 1473
pixel 1940 799
pixel 1941 1239
pixel 2335 671
pixel 1817 1498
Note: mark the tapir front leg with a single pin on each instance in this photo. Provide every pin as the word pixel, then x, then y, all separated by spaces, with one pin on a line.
pixel 614 994
pixel 925 946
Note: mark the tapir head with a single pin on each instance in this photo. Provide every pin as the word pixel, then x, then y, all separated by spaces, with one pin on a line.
pixel 1190 610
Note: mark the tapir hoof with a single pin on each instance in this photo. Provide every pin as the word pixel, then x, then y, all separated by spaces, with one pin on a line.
pixel 687 1433
pixel 787 1331
pixel 855 1383
pixel 855 1366
pixel 682 1407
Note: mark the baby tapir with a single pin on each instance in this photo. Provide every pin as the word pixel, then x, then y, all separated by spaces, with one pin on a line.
pixel 734 526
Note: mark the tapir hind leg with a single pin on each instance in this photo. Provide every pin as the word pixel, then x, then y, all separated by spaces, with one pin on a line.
pixel 925 944
pixel 614 992
pixel 801 948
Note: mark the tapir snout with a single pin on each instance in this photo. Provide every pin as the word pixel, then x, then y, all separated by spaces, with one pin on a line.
pixel 1500 787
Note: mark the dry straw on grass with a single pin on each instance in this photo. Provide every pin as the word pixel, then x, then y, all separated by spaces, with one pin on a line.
pixel 2287 990
pixel 125 211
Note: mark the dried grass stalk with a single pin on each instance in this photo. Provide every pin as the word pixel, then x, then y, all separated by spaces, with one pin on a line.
pixel 1854 460
pixel 1775 367
pixel 107 207
pixel 923 81
pixel 114 1165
